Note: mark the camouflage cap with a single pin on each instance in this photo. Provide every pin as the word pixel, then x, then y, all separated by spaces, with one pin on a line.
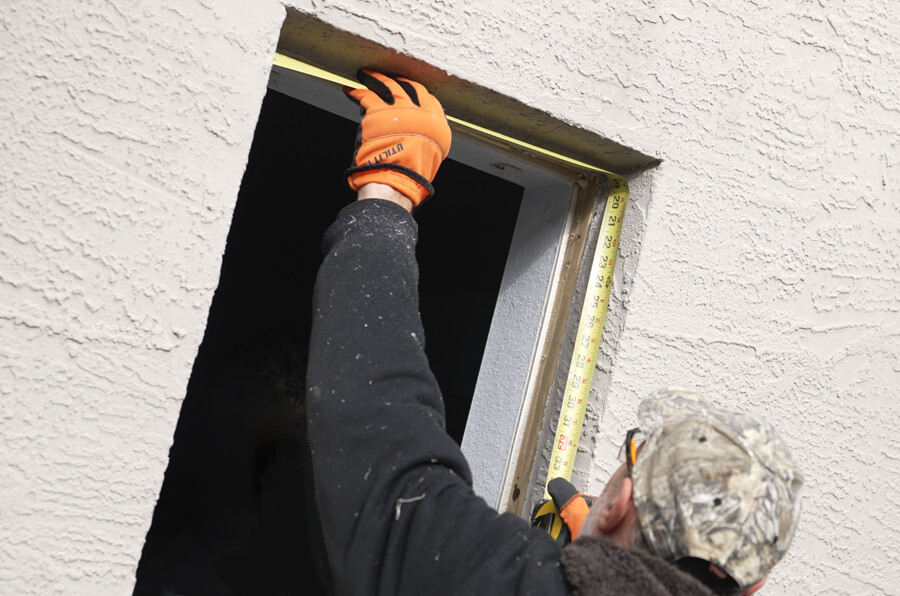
pixel 713 484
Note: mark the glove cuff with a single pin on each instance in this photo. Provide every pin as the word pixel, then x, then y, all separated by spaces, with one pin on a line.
pixel 402 179
pixel 573 506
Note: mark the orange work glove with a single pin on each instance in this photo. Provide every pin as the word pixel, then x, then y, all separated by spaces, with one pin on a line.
pixel 403 137
pixel 563 514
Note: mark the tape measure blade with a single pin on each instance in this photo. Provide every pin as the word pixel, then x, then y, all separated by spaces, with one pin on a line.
pixel 589 335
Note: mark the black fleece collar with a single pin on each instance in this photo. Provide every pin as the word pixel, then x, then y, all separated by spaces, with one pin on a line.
pixel 598 567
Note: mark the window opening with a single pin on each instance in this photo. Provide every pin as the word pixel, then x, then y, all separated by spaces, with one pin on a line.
pixel 231 512
pixel 529 295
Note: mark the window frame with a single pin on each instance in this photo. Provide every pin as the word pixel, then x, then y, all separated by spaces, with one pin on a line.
pixel 528 325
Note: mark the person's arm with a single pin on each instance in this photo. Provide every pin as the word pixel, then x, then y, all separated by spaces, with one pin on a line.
pixel 393 490
pixel 374 408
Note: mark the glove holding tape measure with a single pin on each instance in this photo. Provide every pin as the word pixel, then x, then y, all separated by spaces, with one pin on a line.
pixel 563 514
pixel 403 137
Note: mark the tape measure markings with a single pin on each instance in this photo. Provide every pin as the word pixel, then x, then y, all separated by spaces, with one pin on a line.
pixel 589 335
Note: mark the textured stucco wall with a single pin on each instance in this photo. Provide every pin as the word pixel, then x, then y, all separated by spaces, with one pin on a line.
pixel 125 130
pixel 768 273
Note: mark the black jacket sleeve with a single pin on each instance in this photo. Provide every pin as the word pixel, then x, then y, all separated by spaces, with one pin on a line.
pixel 393 489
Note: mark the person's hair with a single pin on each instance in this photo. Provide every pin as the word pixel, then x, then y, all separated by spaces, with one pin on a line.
pixel 700 569
pixel 638 542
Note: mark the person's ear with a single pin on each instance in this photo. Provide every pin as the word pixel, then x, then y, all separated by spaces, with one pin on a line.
pixel 614 508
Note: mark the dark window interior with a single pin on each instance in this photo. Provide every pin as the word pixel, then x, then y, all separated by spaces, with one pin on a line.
pixel 232 513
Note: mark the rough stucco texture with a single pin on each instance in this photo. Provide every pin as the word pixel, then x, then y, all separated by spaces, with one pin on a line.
pixel 768 274
pixel 122 151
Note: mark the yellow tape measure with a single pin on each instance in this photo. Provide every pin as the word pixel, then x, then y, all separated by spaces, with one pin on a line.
pixel 593 313
pixel 319 73
pixel 590 332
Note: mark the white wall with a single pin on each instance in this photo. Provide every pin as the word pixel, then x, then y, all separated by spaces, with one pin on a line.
pixel 125 131
pixel 769 273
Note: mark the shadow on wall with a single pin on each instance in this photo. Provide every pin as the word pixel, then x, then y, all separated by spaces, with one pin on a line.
pixel 233 512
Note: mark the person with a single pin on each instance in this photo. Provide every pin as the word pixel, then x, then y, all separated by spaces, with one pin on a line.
pixel 710 498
